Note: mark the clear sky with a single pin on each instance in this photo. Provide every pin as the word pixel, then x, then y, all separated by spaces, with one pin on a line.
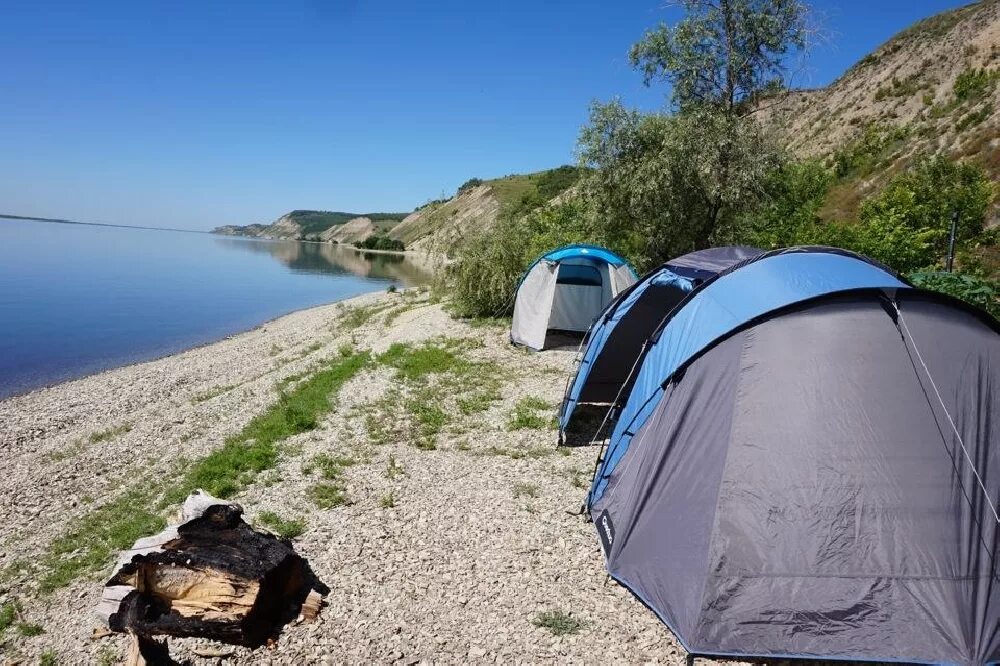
pixel 199 113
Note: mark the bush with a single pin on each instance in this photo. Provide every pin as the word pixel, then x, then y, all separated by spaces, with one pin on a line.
pixel 907 224
pixel 975 83
pixel 981 292
pixel 487 273
pixel 382 242
pixel 469 184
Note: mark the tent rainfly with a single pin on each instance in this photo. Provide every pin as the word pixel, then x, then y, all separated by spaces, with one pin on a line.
pixel 565 290
pixel 805 468
pixel 616 338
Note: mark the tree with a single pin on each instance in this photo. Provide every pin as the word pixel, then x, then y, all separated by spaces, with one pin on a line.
pixel 723 53
pixel 663 185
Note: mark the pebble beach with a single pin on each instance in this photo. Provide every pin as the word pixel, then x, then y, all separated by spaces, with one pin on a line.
pixel 458 538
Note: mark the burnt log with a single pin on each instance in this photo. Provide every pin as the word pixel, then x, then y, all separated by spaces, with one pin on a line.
pixel 212 576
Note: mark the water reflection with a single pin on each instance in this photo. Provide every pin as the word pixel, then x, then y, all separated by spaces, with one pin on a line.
pixel 333 259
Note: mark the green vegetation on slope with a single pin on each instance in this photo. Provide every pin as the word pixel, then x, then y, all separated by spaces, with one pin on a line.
pixel 705 173
pixel 318 221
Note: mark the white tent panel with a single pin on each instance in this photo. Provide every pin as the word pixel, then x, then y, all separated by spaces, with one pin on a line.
pixel 622 278
pixel 533 305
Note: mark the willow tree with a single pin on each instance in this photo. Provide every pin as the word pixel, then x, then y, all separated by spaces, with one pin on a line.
pixel 671 182
pixel 724 54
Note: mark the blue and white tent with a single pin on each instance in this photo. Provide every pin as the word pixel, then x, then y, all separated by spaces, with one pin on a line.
pixel 615 341
pixel 565 290
pixel 805 467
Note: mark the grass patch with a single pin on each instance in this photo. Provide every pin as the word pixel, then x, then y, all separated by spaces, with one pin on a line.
pixel 110 433
pixel 226 471
pixel 479 401
pixel 96 537
pixel 387 501
pixel 526 416
pixel 48 658
pixel 287 529
pixel 558 623
pixel 70 451
pixel 415 363
pixel 533 452
pixel 29 630
pixel 8 614
pixel 430 418
pixel 525 490
pixel 212 393
pixel 327 495
pixel 90 544
pixel 358 316
pixel 329 467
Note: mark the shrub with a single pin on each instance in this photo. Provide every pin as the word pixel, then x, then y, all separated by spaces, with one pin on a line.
pixel 490 267
pixel 469 184
pixel 907 224
pixel 382 242
pixel 981 292
pixel 975 83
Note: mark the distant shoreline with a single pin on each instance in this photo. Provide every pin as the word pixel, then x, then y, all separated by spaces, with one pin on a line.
pixel 56 220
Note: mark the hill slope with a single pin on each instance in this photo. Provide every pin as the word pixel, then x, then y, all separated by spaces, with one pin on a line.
pixel 310 224
pixel 439 227
pixel 933 88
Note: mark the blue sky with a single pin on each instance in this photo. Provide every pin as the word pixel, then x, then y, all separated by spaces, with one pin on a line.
pixel 195 114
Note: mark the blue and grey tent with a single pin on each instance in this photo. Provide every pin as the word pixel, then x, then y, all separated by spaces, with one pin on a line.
pixel 565 289
pixel 805 467
pixel 615 341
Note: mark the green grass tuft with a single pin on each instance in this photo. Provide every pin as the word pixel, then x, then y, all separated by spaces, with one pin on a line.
pixel 287 529
pixel 558 622
pixel 393 470
pixel 526 416
pixel 327 495
pixel 387 501
pixel 28 630
pixel 212 393
pixel 110 433
pixel 8 613
pixel 329 467
pixel 415 363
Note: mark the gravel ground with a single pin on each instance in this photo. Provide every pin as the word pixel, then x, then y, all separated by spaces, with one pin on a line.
pixel 441 555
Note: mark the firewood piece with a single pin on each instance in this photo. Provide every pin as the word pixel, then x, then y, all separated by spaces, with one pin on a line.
pixel 311 606
pixel 214 577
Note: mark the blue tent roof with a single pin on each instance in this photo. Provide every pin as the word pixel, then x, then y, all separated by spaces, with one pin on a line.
pixel 581 250
pixel 771 282
pixel 682 273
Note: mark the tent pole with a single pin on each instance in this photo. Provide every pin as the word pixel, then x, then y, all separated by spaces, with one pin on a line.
pixel 951 239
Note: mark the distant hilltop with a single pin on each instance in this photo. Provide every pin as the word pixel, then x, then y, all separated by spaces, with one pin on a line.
pixel 437 227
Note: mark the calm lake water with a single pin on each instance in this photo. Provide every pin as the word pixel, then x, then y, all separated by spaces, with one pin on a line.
pixel 77 299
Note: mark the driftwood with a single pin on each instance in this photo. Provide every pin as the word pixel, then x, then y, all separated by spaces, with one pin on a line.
pixel 211 576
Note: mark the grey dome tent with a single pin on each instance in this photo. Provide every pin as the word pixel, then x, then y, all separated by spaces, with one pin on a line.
pixel 615 340
pixel 566 289
pixel 806 467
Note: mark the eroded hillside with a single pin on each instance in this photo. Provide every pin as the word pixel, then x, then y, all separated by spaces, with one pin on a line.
pixel 933 88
